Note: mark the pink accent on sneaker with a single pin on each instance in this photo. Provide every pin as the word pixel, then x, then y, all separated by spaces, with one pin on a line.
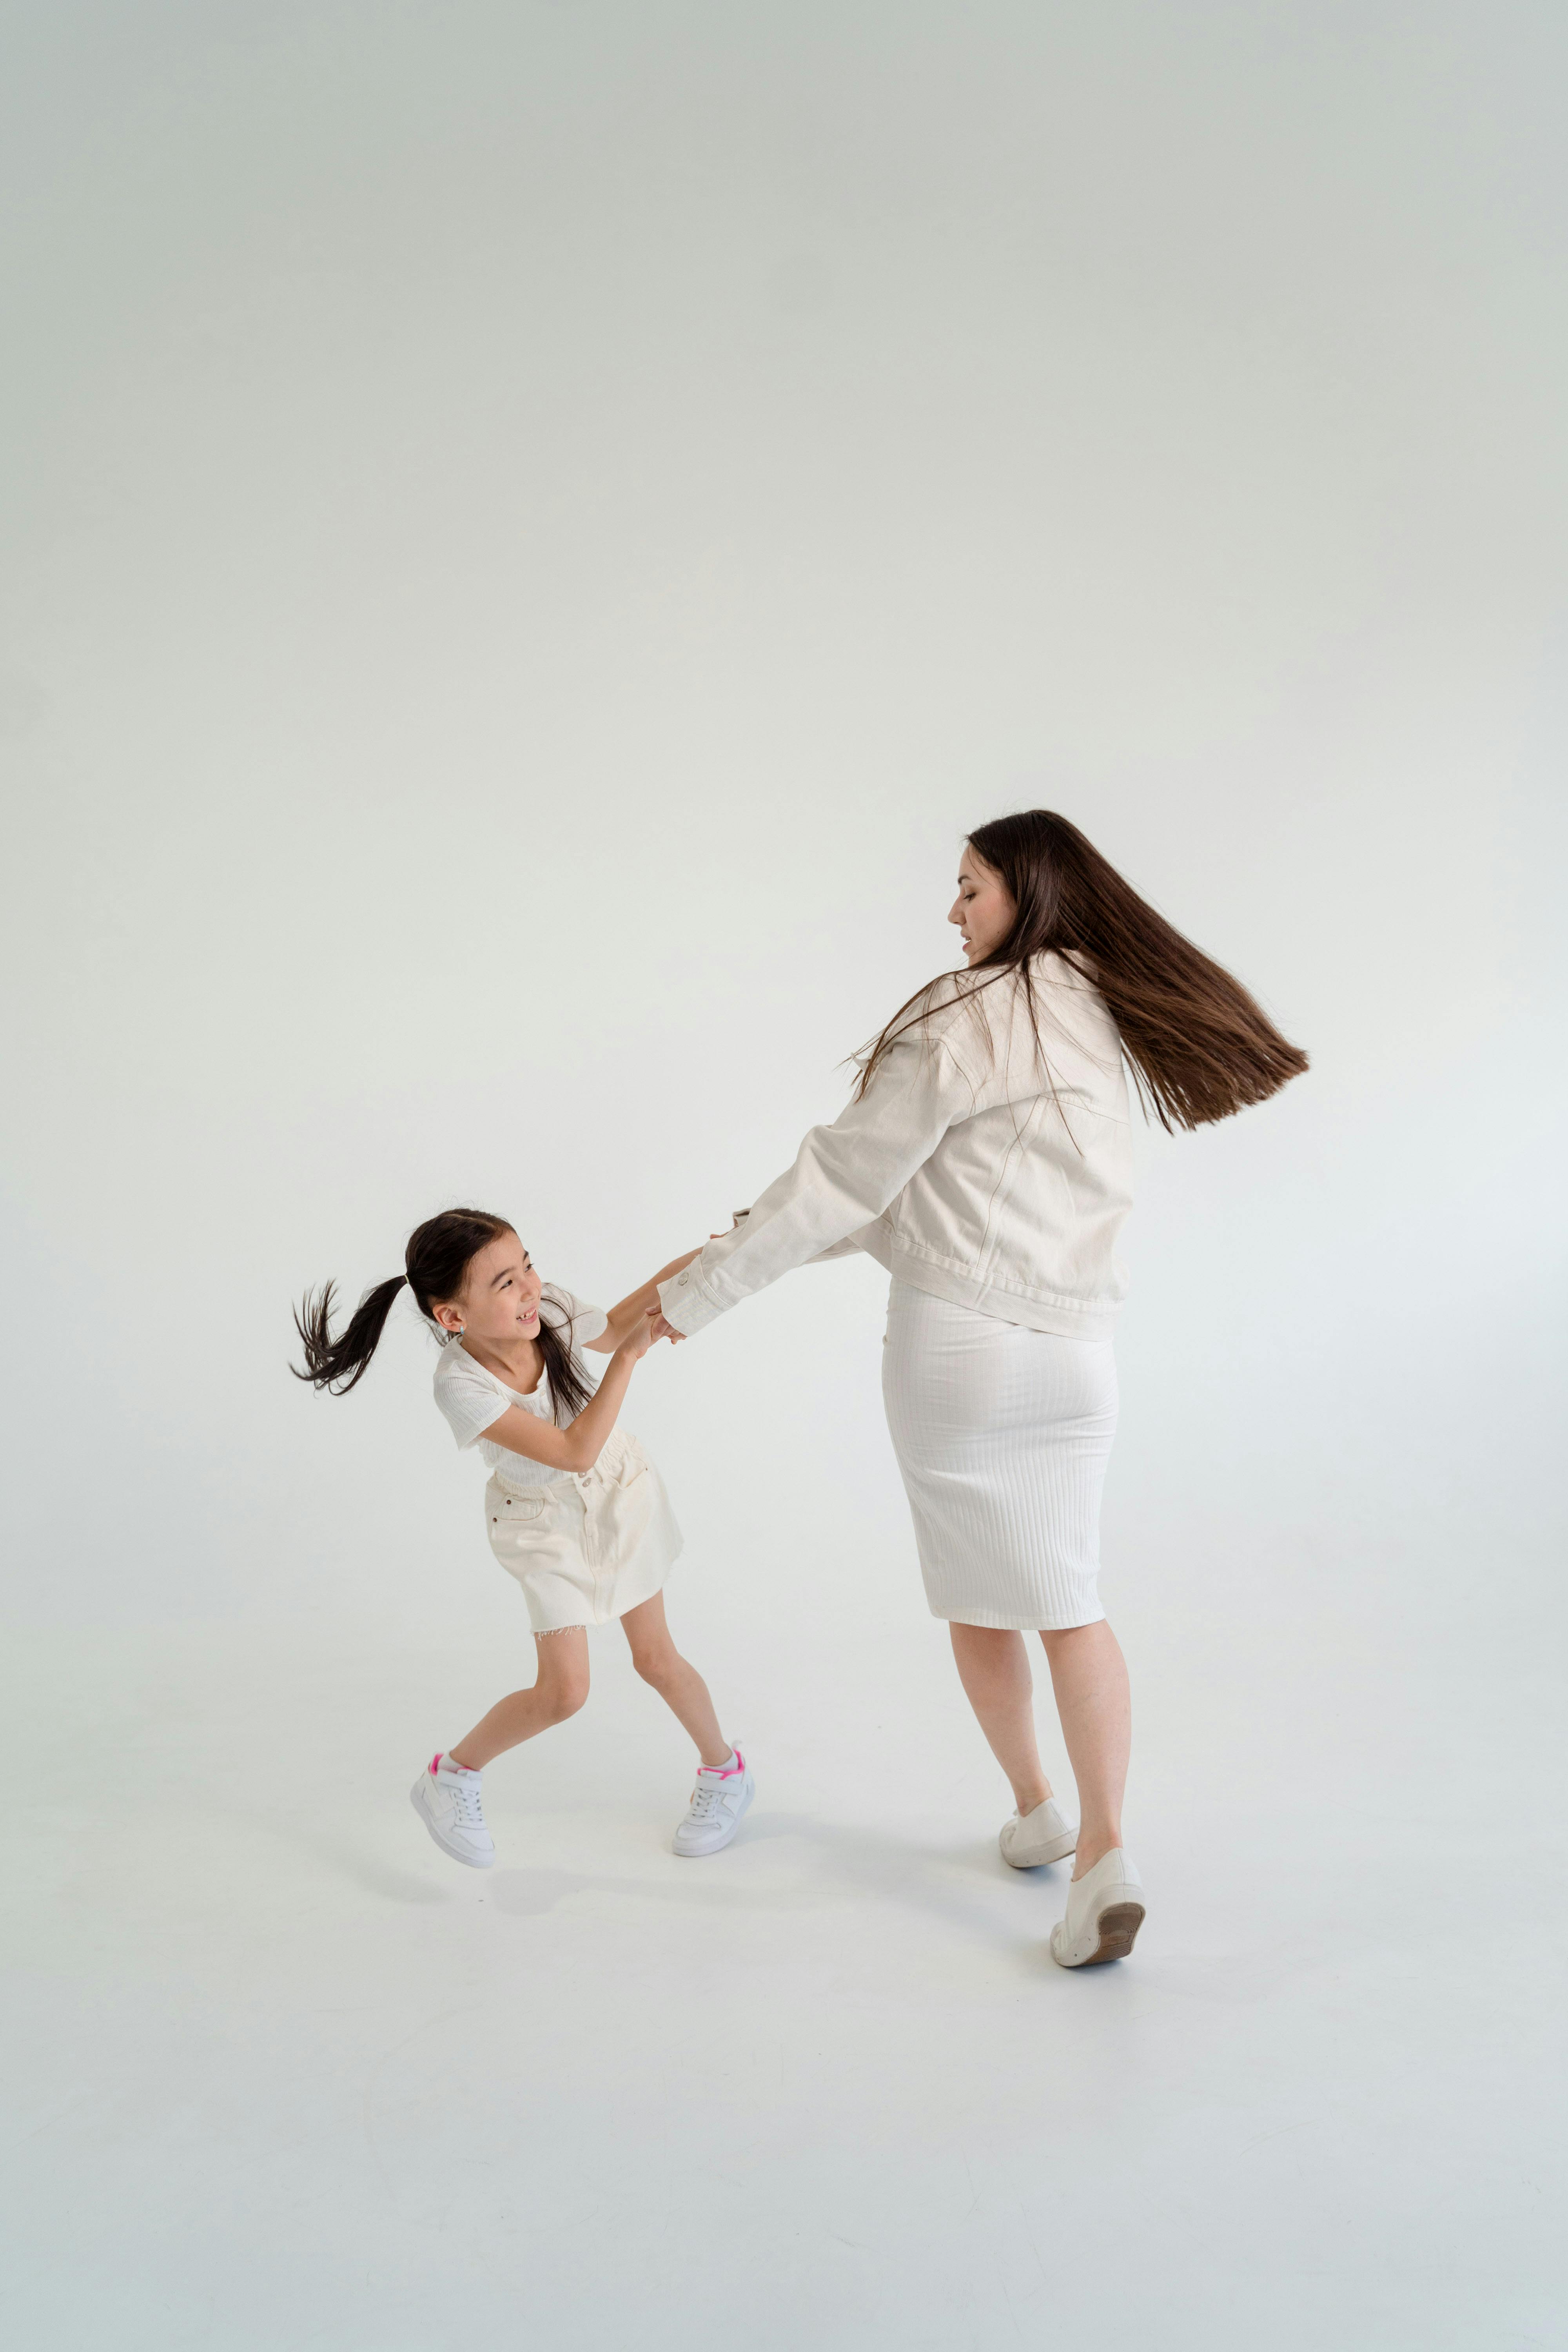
pixel 433 1762
pixel 725 1772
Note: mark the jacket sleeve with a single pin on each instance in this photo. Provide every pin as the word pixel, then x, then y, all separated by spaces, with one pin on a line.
pixel 847 1247
pixel 844 1177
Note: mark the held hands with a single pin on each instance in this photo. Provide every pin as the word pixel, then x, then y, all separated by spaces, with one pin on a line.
pixel 660 1325
pixel 643 1334
pixel 641 1337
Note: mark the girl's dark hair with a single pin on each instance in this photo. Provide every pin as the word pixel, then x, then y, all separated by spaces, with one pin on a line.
pixel 1198 1044
pixel 438 1258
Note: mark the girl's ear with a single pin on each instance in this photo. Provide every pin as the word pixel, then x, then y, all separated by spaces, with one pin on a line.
pixel 449 1318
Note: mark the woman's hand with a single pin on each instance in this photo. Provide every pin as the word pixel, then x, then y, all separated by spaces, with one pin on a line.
pixel 663 1328
pixel 624 1319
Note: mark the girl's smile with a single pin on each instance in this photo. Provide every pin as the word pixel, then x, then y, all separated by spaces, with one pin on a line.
pixel 499 1308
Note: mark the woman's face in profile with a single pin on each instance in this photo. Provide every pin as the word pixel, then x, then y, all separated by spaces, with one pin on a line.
pixel 984 909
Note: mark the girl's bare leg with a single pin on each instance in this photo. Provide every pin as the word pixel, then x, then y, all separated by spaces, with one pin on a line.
pixel 678 1683
pixel 1088 1675
pixel 994 1667
pixel 558 1690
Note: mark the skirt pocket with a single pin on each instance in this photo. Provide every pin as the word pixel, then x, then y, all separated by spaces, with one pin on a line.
pixel 513 1521
pixel 516 1510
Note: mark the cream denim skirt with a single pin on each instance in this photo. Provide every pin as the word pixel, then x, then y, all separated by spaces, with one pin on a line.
pixel 1002 1435
pixel 588 1547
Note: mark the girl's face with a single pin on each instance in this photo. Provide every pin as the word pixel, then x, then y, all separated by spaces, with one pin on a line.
pixel 500 1301
pixel 984 907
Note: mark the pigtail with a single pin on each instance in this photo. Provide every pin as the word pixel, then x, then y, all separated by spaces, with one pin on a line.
pixel 438 1258
pixel 340 1364
pixel 564 1369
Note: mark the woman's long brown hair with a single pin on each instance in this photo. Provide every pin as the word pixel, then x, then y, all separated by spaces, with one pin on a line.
pixel 1199 1047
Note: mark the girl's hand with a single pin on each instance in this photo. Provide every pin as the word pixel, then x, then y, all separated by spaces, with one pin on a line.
pixel 640 1337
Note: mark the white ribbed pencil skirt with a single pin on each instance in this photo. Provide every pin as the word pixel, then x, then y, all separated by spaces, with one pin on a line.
pixel 1003 1435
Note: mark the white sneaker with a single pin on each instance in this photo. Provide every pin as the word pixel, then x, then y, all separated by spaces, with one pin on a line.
pixel 719 1802
pixel 1030 1839
pixel 445 1797
pixel 1104 1913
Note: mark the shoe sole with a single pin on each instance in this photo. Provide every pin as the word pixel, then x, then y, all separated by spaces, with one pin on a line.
pixel 701 1853
pixel 1118 1927
pixel 469 1861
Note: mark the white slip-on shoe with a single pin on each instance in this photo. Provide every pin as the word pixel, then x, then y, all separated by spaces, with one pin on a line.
pixel 1104 1913
pixel 719 1802
pixel 445 1797
pixel 1030 1839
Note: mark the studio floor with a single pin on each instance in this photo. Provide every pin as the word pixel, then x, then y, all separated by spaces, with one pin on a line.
pixel 282 2075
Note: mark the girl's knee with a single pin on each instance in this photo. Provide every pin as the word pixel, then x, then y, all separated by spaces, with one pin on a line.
pixel 566 1696
pixel 656 1666
pixel 565 1688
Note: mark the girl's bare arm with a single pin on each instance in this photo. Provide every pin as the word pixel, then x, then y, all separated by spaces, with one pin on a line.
pixel 579 1445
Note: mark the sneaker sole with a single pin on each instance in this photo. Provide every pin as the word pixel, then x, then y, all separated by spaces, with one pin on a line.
pixel 701 1853
pixel 1118 1927
pixel 469 1861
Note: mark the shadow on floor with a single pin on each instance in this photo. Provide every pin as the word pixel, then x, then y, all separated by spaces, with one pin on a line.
pixel 960 1885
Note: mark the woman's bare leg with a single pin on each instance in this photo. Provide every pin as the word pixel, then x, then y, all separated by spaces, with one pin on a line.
pixel 1088 1675
pixel 676 1680
pixel 994 1667
pixel 558 1690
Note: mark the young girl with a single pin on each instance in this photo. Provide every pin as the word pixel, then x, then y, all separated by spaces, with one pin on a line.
pixel 575 1510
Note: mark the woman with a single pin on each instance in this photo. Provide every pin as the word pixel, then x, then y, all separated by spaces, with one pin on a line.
pixel 984 1160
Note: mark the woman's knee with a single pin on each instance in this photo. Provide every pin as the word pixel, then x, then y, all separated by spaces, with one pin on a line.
pixel 982 1641
pixel 988 1651
pixel 1067 1640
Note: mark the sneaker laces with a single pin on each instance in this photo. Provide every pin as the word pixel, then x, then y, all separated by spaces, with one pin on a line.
pixel 465 1796
pixel 704 1799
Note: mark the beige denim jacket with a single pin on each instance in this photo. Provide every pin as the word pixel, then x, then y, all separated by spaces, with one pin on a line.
pixel 978 1166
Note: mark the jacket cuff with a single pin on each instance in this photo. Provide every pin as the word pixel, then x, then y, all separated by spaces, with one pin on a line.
pixel 683 1302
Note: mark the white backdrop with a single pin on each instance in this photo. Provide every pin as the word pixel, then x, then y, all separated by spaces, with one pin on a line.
pixel 531 531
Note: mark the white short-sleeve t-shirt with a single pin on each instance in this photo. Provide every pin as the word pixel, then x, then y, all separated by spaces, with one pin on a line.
pixel 472 1399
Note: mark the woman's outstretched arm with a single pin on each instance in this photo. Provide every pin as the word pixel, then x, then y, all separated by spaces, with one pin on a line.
pixel 844 1176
